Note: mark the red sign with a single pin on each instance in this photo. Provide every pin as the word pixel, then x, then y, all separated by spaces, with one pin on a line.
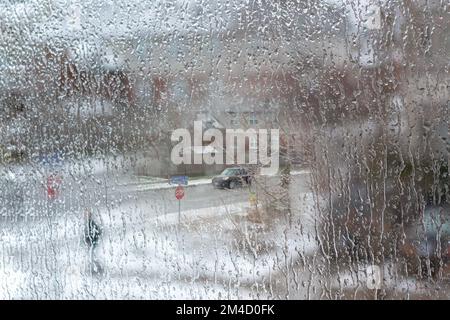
pixel 53 186
pixel 179 192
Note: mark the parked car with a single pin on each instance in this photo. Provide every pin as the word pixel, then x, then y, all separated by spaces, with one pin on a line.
pixel 232 178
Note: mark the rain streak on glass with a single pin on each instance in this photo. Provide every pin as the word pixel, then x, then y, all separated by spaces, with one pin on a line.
pixel 351 96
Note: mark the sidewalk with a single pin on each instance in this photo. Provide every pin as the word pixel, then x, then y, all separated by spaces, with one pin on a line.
pixel 164 183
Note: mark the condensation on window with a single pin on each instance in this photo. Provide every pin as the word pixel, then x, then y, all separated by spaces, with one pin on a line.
pixel 192 149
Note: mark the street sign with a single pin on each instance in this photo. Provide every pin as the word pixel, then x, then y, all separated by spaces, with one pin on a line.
pixel 53 186
pixel 51 160
pixel 179 192
pixel 179 180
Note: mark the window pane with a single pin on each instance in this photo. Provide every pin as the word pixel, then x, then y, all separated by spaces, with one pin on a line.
pixel 240 149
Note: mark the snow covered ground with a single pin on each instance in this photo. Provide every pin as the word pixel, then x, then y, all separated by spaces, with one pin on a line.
pixel 146 252
pixel 213 249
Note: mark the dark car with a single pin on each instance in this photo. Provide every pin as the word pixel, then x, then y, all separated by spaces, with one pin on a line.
pixel 232 178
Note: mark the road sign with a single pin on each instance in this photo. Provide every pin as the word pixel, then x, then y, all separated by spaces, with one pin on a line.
pixel 53 186
pixel 179 192
pixel 51 160
pixel 179 180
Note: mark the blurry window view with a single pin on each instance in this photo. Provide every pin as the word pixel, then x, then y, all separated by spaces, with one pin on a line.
pixel 94 93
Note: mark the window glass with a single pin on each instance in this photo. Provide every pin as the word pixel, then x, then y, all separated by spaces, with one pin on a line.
pixel 339 109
